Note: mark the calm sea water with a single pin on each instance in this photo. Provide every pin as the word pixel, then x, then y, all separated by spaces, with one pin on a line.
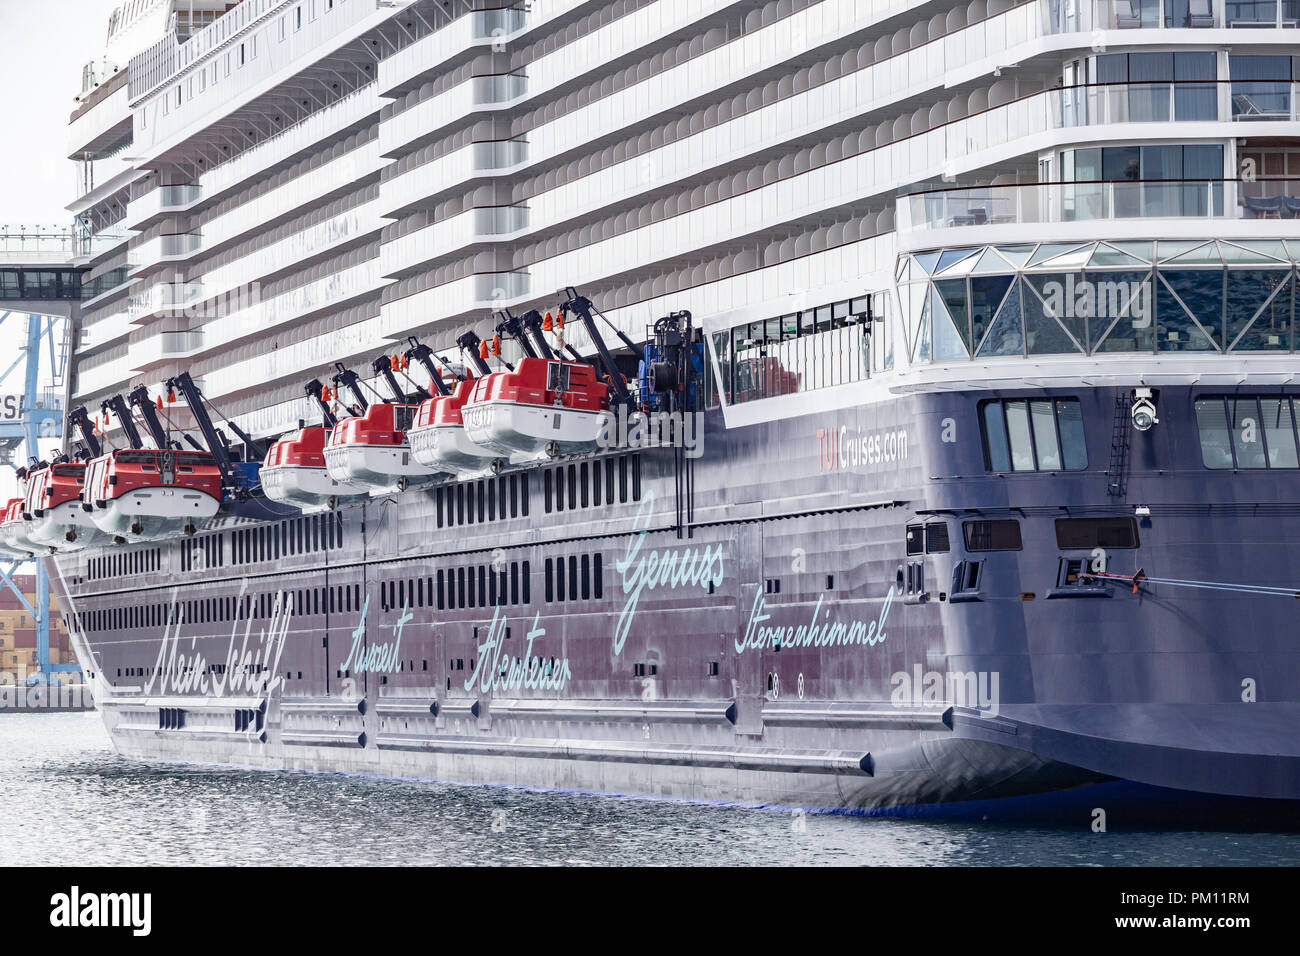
pixel 67 799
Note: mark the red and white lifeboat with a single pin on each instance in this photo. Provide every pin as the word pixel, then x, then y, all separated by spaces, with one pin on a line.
pixel 144 494
pixel 438 437
pixel 543 407
pixel 14 532
pixel 53 504
pixel 294 472
pixel 372 452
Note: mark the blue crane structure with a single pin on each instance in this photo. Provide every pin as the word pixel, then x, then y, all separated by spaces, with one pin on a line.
pixel 38 283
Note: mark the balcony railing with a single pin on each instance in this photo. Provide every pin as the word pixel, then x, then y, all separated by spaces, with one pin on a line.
pixel 1070 16
pixel 1035 203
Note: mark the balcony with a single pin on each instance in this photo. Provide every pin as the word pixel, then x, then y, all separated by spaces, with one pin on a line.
pixel 1065 17
pixel 426 179
pixel 163 348
pixel 1040 203
pixel 468 228
pixel 162 250
pixel 164 298
pixel 164 201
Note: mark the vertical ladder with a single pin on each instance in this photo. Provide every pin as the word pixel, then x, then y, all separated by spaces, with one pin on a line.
pixel 1117 486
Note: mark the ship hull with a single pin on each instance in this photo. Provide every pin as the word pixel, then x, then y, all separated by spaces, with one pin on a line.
pixel 556 627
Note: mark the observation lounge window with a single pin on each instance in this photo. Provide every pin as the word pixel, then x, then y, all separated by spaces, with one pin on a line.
pixel 820 347
pixel 1247 431
pixel 1033 435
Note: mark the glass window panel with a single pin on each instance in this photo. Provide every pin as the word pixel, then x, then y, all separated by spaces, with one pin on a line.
pixel 1053 311
pixel 1201 291
pixel 1022 449
pixel 1271 330
pixel 995 437
pixel 1279 432
pixel 1121 310
pixel 1247 433
pixel 986 295
pixel 1005 336
pixel 1069 420
pixel 948 342
pixel 1248 291
pixel 1175 329
pixel 1044 422
pixel 953 294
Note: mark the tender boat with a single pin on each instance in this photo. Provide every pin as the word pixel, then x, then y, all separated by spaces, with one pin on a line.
pixel 294 472
pixel 543 407
pixel 438 437
pixel 15 530
pixel 143 494
pixel 53 504
pixel 371 451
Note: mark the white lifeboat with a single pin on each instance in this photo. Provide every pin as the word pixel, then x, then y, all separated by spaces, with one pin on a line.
pixel 372 452
pixel 14 532
pixel 53 504
pixel 438 437
pixel 144 494
pixel 543 407
pixel 294 473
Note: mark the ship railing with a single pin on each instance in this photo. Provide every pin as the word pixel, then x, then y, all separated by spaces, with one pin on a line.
pixel 1081 16
pixel 1088 201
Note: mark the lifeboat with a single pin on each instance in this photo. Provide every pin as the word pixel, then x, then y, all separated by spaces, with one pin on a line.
pixel 294 472
pixel 371 451
pixel 53 505
pixel 15 530
pixel 543 407
pixel 145 494
pixel 438 438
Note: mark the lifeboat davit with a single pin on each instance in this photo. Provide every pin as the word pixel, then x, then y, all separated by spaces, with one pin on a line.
pixel 438 438
pixel 53 504
pixel 372 451
pixel 14 532
pixel 145 494
pixel 543 407
pixel 294 472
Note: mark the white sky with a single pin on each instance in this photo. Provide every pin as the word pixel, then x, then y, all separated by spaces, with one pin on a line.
pixel 43 46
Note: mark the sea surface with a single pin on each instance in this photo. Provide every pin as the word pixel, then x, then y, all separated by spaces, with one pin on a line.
pixel 66 798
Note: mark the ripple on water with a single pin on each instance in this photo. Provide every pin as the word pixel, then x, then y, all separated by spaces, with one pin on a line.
pixel 68 799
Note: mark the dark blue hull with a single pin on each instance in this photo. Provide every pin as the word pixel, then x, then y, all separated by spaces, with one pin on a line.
pixel 567 626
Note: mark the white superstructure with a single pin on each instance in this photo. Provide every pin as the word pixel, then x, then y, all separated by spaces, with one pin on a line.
pixel 310 181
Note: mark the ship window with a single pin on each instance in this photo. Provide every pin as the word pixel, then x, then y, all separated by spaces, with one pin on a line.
pixel 936 538
pixel 460 587
pixel 915 539
pixel 557 377
pixel 482 586
pixel 1089 533
pixel 598 573
pixel 1001 534
pixel 1248 432
pixel 586 577
pixel 573 489
pixel 550 580
pixel 1037 435
pixel 527 582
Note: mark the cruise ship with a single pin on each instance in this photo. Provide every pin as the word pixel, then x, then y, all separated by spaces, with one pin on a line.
pixel 874 406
